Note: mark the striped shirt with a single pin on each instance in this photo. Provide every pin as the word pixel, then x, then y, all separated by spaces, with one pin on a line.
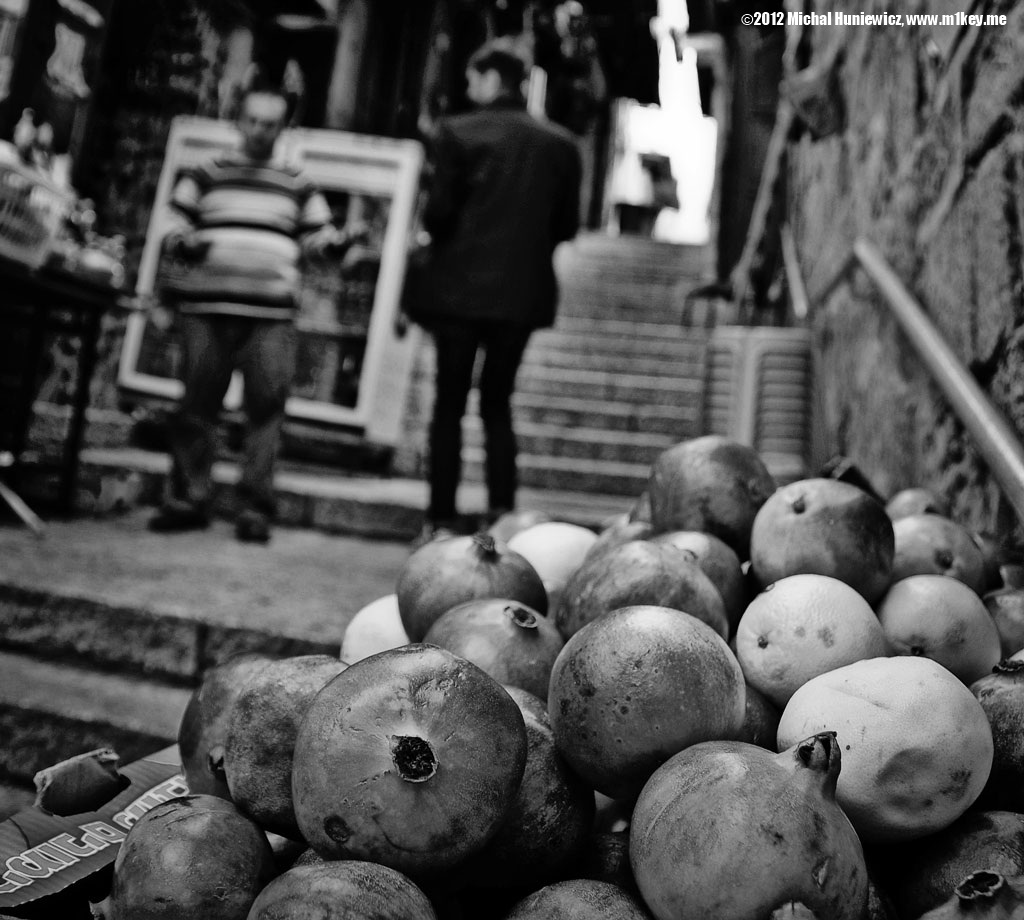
pixel 259 218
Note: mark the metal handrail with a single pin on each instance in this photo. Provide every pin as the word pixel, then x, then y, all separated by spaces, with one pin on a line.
pixel 997 442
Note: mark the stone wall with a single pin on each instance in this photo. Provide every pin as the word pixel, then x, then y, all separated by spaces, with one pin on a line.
pixel 929 167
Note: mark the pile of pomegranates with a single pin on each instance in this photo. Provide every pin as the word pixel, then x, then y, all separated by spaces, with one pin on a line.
pixel 546 722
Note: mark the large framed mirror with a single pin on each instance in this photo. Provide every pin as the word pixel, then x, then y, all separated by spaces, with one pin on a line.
pixel 353 369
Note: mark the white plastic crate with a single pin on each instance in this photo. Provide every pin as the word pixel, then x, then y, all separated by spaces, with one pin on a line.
pixel 758 389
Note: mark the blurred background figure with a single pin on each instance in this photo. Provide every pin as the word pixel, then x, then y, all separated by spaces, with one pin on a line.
pixel 663 175
pixel 577 89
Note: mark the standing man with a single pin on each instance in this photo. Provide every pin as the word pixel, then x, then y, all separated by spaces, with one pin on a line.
pixel 240 224
pixel 505 193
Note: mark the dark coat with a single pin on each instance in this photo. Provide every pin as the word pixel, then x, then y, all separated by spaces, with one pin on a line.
pixel 505 192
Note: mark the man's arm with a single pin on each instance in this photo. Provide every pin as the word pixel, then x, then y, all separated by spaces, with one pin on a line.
pixel 318 237
pixel 443 195
pixel 180 216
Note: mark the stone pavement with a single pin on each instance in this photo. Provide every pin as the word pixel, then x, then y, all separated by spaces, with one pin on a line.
pixel 305 583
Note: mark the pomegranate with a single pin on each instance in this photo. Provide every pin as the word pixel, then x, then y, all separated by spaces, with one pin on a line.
pixel 716 560
pixel 760 720
pixel 195 856
pixel 878 908
pixel 549 824
pixel 619 531
pixel 640 510
pixel 555 549
pixel 929 544
pixel 1001 695
pixel 444 573
pixel 261 734
pixel 728 829
pixel 711 484
pixel 342 890
pixel 606 859
pixel 824 527
pixel 204 724
pixel 983 895
pixel 639 573
pixel 915 500
pixel 511 642
pixel 1007 608
pixel 579 899
pixel 511 522
pixel 994 554
pixel 374 628
pixel 411 758
pixel 920 876
pixel 636 686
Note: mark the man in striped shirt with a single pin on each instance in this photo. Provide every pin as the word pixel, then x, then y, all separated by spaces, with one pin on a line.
pixel 239 226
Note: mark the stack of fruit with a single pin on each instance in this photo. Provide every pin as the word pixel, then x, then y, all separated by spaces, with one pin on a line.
pixel 737 701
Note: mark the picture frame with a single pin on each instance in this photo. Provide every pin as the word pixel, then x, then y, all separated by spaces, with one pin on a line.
pixel 353 368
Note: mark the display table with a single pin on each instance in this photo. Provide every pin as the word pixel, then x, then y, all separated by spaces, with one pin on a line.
pixel 34 303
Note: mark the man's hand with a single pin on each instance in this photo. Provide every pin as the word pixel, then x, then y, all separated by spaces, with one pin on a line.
pixel 346 237
pixel 161 317
pixel 189 247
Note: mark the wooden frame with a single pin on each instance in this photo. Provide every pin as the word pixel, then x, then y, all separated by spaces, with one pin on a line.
pixel 378 178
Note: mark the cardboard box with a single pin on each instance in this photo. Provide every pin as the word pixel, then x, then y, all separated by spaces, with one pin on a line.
pixel 52 865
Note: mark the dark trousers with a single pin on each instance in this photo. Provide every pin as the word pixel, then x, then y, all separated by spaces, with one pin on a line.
pixel 456 345
pixel 214 346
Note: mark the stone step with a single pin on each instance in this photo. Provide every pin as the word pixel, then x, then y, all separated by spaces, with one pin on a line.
pixel 332 502
pixel 636 255
pixel 154 642
pixel 545 472
pixel 616 337
pixel 665 369
pixel 661 305
pixel 674 359
pixel 595 444
pixel 639 389
pixel 677 421
pixel 49 712
pixel 613 330
pixel 686 366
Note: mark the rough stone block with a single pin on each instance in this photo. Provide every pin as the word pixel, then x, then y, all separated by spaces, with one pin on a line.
pixel 997 79
pixel 114 637
pixel 220 643
pixel 381 520
pixel 997 251
pixel 946 284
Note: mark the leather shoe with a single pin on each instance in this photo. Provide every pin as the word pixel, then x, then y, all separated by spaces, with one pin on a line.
pixel 252 527
pixel 178 520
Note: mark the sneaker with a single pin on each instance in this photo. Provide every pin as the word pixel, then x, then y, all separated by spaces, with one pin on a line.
pixel 432 532
pixel 252 527
pixel 170 519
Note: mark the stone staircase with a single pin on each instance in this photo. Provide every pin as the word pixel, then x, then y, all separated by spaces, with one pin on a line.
pixel 618 378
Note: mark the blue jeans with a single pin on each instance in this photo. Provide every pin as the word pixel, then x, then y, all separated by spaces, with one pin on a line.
pixel 214 346
pixel 456 344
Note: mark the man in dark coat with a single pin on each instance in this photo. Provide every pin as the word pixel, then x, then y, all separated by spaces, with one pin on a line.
pixel 505 193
